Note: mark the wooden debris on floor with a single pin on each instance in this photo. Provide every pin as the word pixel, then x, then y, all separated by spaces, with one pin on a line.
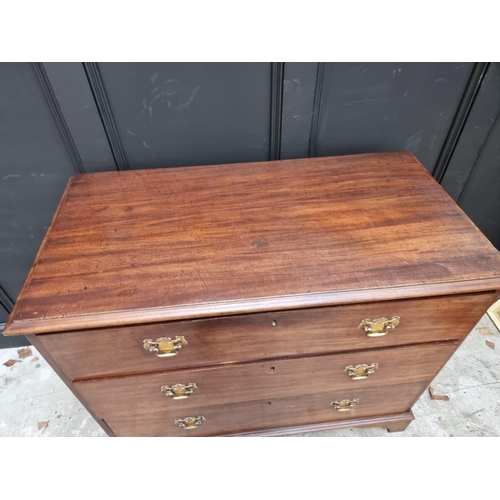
pixel 437 397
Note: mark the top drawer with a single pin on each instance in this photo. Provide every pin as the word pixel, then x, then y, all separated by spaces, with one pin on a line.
pixel 114 351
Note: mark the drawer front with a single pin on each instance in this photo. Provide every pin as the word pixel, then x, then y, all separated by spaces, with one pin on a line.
pixel 272 383
pixel 302 332
pixel 254 416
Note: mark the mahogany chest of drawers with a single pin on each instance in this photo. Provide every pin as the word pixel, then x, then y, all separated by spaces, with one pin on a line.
pixel 257 298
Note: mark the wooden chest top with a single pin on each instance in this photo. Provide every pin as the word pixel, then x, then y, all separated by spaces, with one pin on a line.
pixel 166 244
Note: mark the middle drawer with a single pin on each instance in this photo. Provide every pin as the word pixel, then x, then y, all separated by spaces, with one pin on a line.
pixel 133 395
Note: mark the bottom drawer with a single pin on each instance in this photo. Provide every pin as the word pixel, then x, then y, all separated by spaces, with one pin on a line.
pixel 235 418
pixel 268 394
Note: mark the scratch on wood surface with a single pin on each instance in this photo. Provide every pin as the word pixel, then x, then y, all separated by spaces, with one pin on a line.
pixel 56 310
pixel 206 286
pixel 260 244
pixel 88 257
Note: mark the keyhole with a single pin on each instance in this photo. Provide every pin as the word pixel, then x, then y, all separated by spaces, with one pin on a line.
pixel 272 368
pixel 269 403
pixel 274 323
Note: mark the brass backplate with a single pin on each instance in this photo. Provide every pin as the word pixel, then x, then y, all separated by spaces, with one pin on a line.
pixel 344 404
pixel 165 347
pixel 179 391
pixel 190 422
pixel 378 327
pixel 360 372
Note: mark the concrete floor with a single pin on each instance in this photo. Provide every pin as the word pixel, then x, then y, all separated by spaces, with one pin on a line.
pixel 34 401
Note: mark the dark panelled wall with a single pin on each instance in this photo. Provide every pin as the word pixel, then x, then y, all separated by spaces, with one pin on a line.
pixel 477 129
pixel 35 165
pixel 37 157
pixel 3 314
pixel 473 175
pixel 190 114
pixel 299 91
pixel 389 106
pixel 58 119
pixel 481 196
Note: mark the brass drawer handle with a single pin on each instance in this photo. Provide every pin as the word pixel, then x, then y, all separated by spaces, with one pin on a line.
pixel 165 346
pixel 360 372
pixel 380 326
pixel 345 404
pixel 189 422
pixel 179 391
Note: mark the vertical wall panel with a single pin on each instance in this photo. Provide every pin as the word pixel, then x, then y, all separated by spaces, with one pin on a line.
pixel 172 114
pixel 372 107
pixel 74 96
pixel 298 100
pixel 34 168
pixel 480 198
pixel 3 315
pixel 477 129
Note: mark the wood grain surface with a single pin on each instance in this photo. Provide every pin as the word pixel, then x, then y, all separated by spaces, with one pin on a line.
pixel 253 416
pixel 264 380
pixel 119 351
pixel 393 423
pixel 168 244
pixel 69 383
